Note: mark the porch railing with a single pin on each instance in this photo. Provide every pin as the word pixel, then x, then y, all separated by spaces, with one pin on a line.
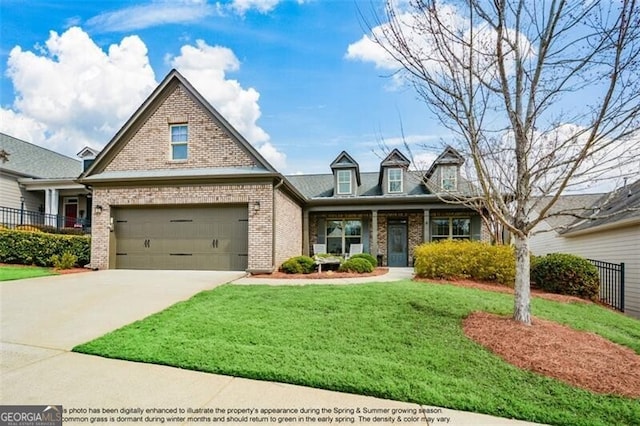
pixel 12 218
pixel 611 283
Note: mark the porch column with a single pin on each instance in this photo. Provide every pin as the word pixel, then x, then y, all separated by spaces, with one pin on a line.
pixel 51 199
pixel 426 229
pixel 374 232
pixel 305 232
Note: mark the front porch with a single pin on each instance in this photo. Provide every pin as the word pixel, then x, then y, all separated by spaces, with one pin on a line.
pixel 390 235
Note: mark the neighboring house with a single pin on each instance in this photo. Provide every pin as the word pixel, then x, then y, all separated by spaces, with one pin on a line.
pixel 37 186
pixel 613 238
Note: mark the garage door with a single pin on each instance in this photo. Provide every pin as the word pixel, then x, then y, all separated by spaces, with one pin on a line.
pixel 195 238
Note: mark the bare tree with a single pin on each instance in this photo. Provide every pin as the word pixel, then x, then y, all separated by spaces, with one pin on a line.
pixel 542 96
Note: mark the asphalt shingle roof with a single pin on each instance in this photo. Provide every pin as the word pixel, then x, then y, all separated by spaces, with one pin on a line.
pixel 621 205
pixel 322 185
pixel 30 160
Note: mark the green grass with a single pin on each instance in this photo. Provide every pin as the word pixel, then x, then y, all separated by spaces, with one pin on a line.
pixel 400 341
pixel 8 272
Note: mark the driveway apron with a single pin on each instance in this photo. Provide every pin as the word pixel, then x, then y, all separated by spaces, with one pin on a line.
pixel 60 312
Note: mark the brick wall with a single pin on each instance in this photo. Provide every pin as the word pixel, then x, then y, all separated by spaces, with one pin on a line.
pixel 288 227
pixel 209 146
pixel 260 220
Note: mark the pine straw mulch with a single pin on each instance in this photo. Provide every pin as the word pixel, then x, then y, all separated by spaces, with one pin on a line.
pixel 322 275
pixel 498 288
pixel 578 358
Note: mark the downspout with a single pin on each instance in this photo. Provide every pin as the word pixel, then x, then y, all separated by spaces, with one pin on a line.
pixel 273 221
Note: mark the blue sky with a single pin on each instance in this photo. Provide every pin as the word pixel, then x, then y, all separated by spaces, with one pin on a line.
pixel 279 71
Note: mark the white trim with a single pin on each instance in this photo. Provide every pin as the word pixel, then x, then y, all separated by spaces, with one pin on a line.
pixel 338 182
pixel 173 143
pixel 395 180
pixel 444 169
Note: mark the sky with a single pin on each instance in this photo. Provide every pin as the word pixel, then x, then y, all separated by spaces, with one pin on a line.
pixel 293 77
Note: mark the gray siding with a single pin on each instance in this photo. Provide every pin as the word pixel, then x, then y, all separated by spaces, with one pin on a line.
pixel 615 245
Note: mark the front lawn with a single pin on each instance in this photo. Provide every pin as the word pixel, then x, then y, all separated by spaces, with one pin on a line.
pixel 401 341
pixel 9 272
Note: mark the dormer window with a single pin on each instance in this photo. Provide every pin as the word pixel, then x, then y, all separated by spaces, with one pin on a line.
pixel 344 182
pixel 394 181
pixel 449 178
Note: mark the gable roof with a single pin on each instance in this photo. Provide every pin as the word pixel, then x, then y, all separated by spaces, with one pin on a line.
pixel 345 161
pixel 29 160
pixel 321 186
pixel 450 156
pixel 394 159
pixel 157 96
pixel 620 207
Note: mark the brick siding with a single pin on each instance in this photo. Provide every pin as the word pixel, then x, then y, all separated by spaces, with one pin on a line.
pixel 288 227
pixel 208 144
pixel 260 221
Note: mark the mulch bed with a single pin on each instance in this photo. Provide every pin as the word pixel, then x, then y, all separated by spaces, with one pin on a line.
pixel 323 275
pixel 578 358
pixel 503 289
pixel 58 271
pixel 71 271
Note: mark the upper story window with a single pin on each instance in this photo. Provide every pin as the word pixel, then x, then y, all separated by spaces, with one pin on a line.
pixel 179 141
pixel 344 181
pixel 394 180
pixel 449 178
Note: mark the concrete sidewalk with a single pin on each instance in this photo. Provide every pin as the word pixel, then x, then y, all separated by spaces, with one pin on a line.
pixel 43 318
pixel 114 389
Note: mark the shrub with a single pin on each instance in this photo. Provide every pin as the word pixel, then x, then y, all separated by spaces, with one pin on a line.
pixel 356 264
pixel 37 248
pixel 66 261
pixel 298 265
pixel 566 274
pixel 366 256
pixel 28 228
pixel 451 259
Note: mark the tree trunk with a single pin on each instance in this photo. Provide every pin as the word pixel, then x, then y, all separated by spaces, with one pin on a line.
pixel 522 300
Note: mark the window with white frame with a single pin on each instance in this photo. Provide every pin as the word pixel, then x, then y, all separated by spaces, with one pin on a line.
pixel 450 228
pixel 344 181
pixel 394 181
pixel 341 234
pixel 449 178
pixel 179 141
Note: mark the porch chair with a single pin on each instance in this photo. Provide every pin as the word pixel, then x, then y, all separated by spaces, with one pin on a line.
pixel 319 249
pixel 354 249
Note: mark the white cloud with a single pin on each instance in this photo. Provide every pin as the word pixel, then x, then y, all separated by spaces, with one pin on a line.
pixel 71 93
pixel 162 12
pixel 423 44
pixel 159 12
pixel 262 6
pixel 206 67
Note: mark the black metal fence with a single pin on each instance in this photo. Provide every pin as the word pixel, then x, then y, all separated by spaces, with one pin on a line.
pixel 611 283
pixel 12 218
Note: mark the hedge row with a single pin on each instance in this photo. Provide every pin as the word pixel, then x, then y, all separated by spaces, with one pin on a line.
pixel 451 259
pixel 37 248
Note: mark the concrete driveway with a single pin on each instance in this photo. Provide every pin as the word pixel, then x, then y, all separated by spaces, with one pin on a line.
pixel 60 312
